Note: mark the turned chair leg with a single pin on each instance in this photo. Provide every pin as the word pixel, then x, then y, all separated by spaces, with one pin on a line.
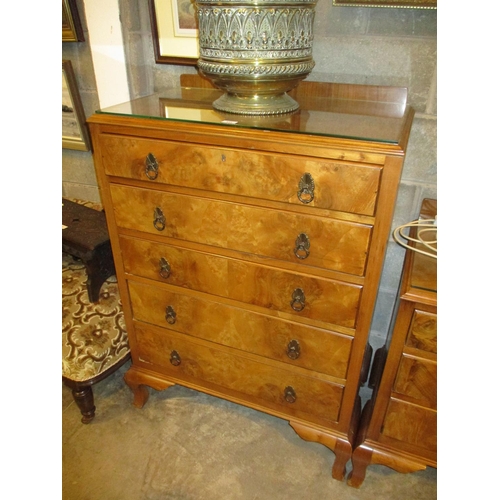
pixel 84 398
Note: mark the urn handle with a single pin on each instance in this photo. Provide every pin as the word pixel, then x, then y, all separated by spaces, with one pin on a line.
pixel 298 300
pixel 175 359
pixel 293 349
pixel 302 246
pixel 306 188
pixel 159 220
pixel 164 268
pixel 151 167
pixel 290 396
pixel 170 315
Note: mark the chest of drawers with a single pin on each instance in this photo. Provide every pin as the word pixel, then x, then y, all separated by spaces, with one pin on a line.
pixel 248 250
pixel 399 423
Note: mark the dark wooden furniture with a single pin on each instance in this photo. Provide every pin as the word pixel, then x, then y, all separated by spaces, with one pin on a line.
pixel 249 249
pixel 399 423
pixel 86 237
pixel 83 393
pixel 94 338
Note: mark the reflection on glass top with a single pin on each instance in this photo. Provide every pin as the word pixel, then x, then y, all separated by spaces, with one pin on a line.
pixel 424 272
pixel 354 118
pixel 424 268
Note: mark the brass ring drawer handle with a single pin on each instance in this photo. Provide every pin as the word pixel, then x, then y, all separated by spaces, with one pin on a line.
pixel 306 188
pixel 290 396
pixel 175 359
pixel 170 315
pixel 151 167
pixel 302 246
pixel 298 300
pixel 293 349
pixel 159 220
pixel 164 268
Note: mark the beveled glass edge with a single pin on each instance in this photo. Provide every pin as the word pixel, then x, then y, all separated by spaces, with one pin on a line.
pixel 235 120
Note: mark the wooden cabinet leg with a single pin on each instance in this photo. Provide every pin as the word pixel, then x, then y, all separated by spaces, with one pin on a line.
pixel 341 447
pixel 140 391
pixel 361 459
pixel 342 452
pixel 140 381
pixel 84 398
pixel 141 395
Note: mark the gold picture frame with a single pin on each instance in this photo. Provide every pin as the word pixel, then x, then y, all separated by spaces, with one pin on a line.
pixel 72 30
pixel 175 36
pixel 406 4
pixel 75 134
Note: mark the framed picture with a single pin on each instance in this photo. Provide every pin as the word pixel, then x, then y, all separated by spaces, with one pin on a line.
pixel 175 33
pixel 408 4
pixel 75 134
pixel 71 26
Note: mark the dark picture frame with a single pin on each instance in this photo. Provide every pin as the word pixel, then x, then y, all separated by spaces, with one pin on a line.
pixel 170 47
pixel 72 30
pixel 408 4
pixel 75 134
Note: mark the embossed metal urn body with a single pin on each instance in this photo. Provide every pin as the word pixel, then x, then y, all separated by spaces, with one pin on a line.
pixel 256 51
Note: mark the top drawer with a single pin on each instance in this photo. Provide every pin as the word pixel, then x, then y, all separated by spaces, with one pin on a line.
pixel 331 185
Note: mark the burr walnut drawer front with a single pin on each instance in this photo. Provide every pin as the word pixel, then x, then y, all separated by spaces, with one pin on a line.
pixel 323 183
pixel 224 369
pixel 422 333
pixel 313 241
pixel 299 295
pixel 417 379
pixel 411 424
pixel 298 345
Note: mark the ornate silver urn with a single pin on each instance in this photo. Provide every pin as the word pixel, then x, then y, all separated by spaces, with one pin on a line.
pixel 256 51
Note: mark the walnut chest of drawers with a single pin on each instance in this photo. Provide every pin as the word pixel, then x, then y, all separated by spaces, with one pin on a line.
pixel 249 250
pixel 399 423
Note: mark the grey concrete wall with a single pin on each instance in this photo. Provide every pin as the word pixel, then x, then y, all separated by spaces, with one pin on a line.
pixel 385 46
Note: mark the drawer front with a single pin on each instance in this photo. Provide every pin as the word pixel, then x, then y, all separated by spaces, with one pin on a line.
pixel 328 243
pixel 197 363
pixel 312 348
pixel 411 424
pixel 335 185
pixel 417 378
pixel 322 299
pixel 423 331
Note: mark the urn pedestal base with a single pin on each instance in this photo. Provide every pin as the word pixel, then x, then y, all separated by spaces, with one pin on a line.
pixel 256 104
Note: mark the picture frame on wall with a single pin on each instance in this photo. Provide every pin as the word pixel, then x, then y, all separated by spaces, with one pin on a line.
pixel 72 30
pixel 175 33
pixel 75 134
pixel 408 4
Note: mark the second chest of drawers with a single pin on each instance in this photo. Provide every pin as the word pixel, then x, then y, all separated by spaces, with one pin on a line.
pixel 399 424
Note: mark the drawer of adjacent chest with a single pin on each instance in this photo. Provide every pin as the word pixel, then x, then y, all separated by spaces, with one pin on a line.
pixel 226 370
pixel 299 180
pixel 313 241
pixel 299 345
pixel 411 424
pixel 422 333
pixel 417 379
pixel 301 296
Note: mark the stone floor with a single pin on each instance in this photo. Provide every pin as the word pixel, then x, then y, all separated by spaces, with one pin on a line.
pixel 185 445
